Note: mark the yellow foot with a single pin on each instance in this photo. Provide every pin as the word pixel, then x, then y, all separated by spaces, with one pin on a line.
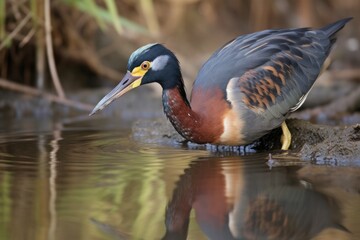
pixel 286 137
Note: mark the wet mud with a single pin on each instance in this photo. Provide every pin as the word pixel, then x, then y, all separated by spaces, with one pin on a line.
pixel 326 144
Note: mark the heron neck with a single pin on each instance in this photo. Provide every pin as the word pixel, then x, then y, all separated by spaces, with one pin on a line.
pixel 177 108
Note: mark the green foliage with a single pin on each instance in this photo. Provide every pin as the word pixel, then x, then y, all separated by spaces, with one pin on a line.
pixel 150 16
pixel 104 16
pixel 2 19
pixel 114 14
pixel 109 15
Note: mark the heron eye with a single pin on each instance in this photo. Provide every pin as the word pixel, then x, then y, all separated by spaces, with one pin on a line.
pixel 145 65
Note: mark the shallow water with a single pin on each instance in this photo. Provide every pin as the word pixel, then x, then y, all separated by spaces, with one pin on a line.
pixel 91 180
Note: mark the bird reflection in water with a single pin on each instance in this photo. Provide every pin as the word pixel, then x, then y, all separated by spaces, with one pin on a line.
pixel 235 199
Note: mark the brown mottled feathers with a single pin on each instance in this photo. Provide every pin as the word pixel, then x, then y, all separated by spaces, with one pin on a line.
pixel 283 80
pixel 264 86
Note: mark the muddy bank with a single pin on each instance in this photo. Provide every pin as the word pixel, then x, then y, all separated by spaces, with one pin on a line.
pixel 319 144
pixel 326 144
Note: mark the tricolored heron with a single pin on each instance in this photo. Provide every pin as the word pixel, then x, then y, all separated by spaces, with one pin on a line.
pixel 247 87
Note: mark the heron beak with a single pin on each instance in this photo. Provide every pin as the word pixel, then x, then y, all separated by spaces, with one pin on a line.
pixel 126 84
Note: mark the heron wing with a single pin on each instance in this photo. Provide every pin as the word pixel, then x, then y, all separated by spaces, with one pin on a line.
pixel 275 68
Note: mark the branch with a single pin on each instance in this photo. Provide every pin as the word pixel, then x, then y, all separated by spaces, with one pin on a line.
pixel 349 103
pixel 15 31
pixel 352 73
pixel 84 53
pixel 50 51
pixel 50 97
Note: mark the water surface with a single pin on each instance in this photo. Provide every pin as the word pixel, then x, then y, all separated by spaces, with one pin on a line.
pixel 93 181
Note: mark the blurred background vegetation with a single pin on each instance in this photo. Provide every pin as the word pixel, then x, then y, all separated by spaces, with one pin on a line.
pixel 91 42
pixel 92 39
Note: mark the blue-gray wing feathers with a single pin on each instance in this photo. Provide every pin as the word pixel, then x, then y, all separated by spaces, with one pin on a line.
pixel 275 68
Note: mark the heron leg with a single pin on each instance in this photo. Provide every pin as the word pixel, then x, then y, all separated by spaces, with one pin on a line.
pixel 286 137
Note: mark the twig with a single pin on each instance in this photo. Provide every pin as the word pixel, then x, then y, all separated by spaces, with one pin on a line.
pixel 15 31
pixel 88 57
pixel 345 104
pixel 50 97
pixel 352 73
pixel 27 38
pixel 349 103
pixel 50 51
pixel 15 10
pixel 40 54
pixel 148 11
pixel 85 53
